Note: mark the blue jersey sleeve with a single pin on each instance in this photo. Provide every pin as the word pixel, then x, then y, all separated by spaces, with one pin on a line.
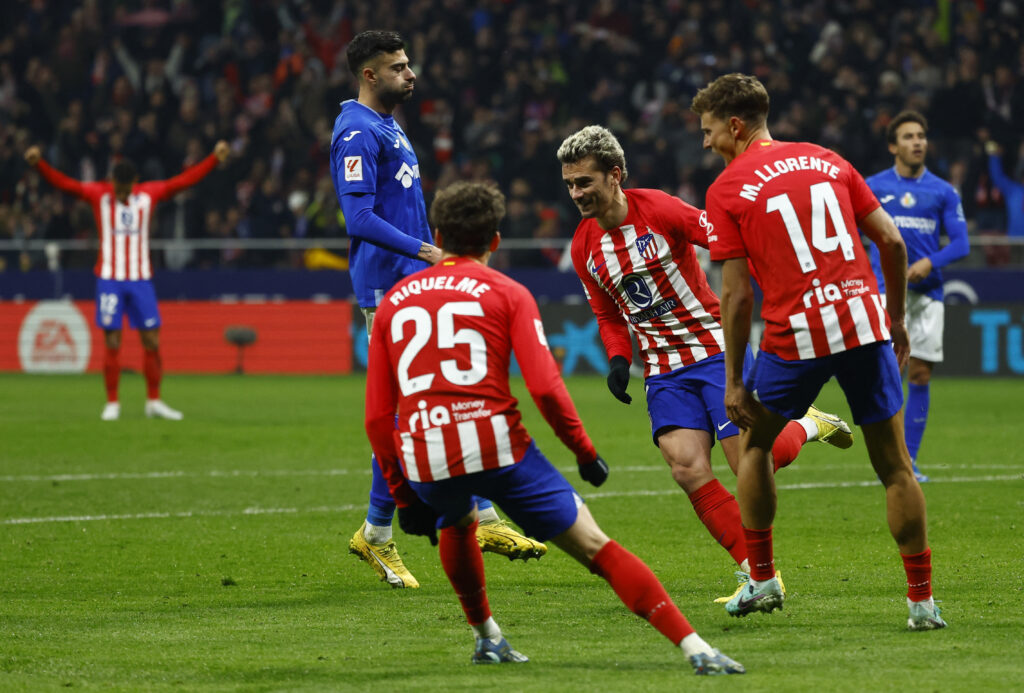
pixel 363 223
pixel 956 229
pixel 354 155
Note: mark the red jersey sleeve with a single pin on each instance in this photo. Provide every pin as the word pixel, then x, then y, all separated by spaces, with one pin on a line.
pixel 162 189
pixel 542 377
pixel 723 233
pixel 381 405
pixel 689 222
pixel 613 330
pixel 62 182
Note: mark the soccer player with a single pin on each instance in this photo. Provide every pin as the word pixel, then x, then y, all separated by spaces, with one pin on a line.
pixel 123 208
pixel 633 251
pixel 921 205
pixel 377 180
pixel 439 354
pixel 784 213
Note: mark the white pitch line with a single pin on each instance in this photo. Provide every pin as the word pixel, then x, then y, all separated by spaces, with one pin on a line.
pixel 254 473
pixel 181 515
pixel 347 508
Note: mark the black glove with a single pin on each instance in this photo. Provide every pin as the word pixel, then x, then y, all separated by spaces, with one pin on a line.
pixel 419 518
pixel 595 472
pixel 618 378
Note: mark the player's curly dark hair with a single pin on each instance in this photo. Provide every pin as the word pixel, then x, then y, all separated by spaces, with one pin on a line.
pixel 467 215
pixel 901 118
pixel 124 172
pixel 734 94
pixel 369 44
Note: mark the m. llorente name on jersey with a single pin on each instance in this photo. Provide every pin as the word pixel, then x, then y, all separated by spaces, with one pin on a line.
pixel 772 170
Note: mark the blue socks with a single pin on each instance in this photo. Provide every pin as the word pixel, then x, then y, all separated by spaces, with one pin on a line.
pixel 916 417
pixel 382 506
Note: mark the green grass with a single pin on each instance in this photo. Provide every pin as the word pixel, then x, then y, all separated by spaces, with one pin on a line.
pixel 211 554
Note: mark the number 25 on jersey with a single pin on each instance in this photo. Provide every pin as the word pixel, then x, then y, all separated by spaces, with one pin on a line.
pixel 434 334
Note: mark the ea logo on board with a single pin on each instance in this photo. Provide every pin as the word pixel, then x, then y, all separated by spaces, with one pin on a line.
pixel 637 290
pixel 54 338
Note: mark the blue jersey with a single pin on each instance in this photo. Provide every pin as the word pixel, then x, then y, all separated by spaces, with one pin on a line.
pixel 371 156
pixel 922 207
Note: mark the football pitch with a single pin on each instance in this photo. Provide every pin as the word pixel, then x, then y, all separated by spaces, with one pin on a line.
pixel 211 554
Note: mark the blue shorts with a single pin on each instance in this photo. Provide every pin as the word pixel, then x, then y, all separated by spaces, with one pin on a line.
pixel 869 376
pixel 136 298
pixel 692 397
pixel 532 492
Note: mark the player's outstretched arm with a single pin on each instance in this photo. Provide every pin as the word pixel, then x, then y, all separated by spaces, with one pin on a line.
pixel 222 150
pixel 34 157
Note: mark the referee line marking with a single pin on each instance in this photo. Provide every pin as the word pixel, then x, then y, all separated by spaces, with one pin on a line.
pixel 347 508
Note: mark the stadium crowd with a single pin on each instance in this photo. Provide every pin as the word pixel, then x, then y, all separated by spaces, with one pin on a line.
pixel 500 83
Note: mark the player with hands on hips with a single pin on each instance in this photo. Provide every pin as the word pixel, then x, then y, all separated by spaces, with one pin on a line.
pixel 123 210
pixel 440 351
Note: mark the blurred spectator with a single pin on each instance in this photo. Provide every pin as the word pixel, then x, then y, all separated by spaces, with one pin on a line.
pixel 503 83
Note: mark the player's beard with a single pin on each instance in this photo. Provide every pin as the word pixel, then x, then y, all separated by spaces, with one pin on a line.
pixel 393 97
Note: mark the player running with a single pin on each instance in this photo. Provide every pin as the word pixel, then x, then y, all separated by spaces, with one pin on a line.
pixel 633 251
pixel 377 179
pixel 439 355
pixel 783 212
pixel 922 206
pixel 123 209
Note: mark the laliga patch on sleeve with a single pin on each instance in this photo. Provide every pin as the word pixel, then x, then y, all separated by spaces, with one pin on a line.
pixel 540 332
pixel 353 168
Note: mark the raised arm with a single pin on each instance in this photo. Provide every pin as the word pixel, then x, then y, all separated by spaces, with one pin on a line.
pixel 194 174
pixel 34 158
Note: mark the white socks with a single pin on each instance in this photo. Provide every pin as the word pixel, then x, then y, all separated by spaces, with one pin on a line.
pixel 694 644
pixel 488 515
pixel 488 629
pixel 810 427
pixel 376 535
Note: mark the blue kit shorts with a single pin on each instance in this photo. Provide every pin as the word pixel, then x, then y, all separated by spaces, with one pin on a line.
pixel 869 376
pixel 136 298
pixel 532 493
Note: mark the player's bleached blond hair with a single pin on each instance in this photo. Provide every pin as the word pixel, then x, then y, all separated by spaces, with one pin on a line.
pixel 731 95
pixel 597 142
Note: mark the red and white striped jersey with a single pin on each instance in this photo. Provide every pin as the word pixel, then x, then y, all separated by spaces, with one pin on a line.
pixel 645 274
pixel 791 209
pixel 124 227
pixel 440 350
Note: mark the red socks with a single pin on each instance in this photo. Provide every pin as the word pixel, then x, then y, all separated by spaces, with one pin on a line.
pixel 759 552
pixel 153 369
pixel 787 445
pixel 464 565
pixel 919 575
pixel 112 372
pixel 720 513
pixel 640 590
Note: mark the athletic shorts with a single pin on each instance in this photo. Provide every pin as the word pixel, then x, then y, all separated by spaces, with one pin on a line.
pixel 532 493
pixel 692 397
pixel 925 317
pixel 136 298
pixel 869 376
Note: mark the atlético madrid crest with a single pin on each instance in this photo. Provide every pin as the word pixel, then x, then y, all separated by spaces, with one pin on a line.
pixel 647 246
